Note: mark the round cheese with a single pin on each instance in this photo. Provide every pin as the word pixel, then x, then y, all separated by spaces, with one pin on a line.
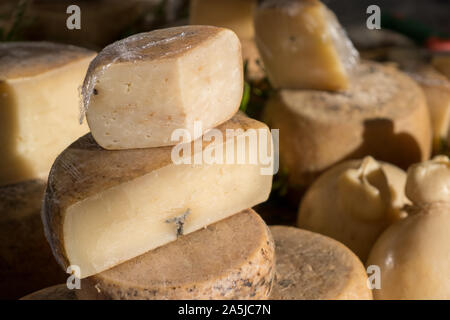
pixel 383 114
pixel 58 292
pixel 354 202
pixel 26 261
pixel 231 259
pixel 310 266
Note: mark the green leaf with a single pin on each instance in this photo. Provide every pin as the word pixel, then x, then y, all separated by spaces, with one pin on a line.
pixel 245 97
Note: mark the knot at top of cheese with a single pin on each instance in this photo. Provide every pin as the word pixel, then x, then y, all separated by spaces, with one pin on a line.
pixel 429 181
pixel 28 59
pixel 364 192
pixel 155 45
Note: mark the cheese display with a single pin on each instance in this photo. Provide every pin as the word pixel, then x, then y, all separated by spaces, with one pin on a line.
pixel 231 259
pixel 58 292
pixel 40 105
pixel 413 254
pixel 437 91
pixel 383 114
pixel 26 261
pixel 138 90
pixel 303 45
pixel 354 202
pixel 310 266
pixel 104 207
pixel 236 15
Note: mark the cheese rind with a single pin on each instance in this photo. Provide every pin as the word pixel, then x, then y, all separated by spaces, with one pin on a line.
pixel 26 261
pixel 310 266
pixel 232 14
pixel 383 114
pixel 103 207
pixel 139 90
pixel 58 292
pixel 230 259
pixel 303 45
pixel 354 204
pixel 40 102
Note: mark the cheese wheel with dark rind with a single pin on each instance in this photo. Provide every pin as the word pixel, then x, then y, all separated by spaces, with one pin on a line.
pixel 58 292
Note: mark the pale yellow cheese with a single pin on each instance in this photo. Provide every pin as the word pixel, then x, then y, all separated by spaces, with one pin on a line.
pixel 354 202
pixel 26 260
pixel 103 207
pixel 383 114
pixel 232 14
pixel 310 266
pixel 303 45
pixel 230 259
pixel 40 105
pixel 58 292
pixel 140 89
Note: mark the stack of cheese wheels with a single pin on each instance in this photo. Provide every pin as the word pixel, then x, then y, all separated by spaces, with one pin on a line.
pixel 413 254
pixel 39 102
pixel 138 220
pixel 354 202
pixel 310 266
pixel 328 106
pixel 236 15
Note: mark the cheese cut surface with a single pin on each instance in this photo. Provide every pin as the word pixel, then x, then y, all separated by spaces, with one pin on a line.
pixel 303 45
pixel 58 292
pixel 103 207
pixel 354 202
pixel 140 89
pixel 310 266
pixel 232 14
pixel 40 102
pixel 383 114
pixel 231 259
pixel 26 260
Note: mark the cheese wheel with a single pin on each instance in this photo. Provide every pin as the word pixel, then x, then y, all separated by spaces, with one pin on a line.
pixel 103 207
pixel 39 84
pixel 232 14
pixel 26 261
pixel 231 259
pixel 310 266
pixel 303 46
pixel 383 114
pixel 139 90
pixel 354 202
pixel 58 292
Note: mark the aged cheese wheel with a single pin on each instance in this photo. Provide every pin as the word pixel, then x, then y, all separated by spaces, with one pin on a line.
pixel 383 114
pixel 58 292
pixel 413 254
pixel 303 46
pixel 138 90
pixel 310 266
pixel 437 91
pixel 354 202
pixel 232 14
pixel 104 207
pixel 40 102
pixel 26 261
pixel 231 259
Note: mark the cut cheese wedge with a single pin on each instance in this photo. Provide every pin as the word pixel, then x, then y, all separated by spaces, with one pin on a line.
pixel 354 202
pixel 139 90
pixel 303 46
pixel 26 261
pixel 58 292
pixel 236 15
pixel 103 207
pixel 383 114
pixel 231 259
pixel 40 103
pixel 310 266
